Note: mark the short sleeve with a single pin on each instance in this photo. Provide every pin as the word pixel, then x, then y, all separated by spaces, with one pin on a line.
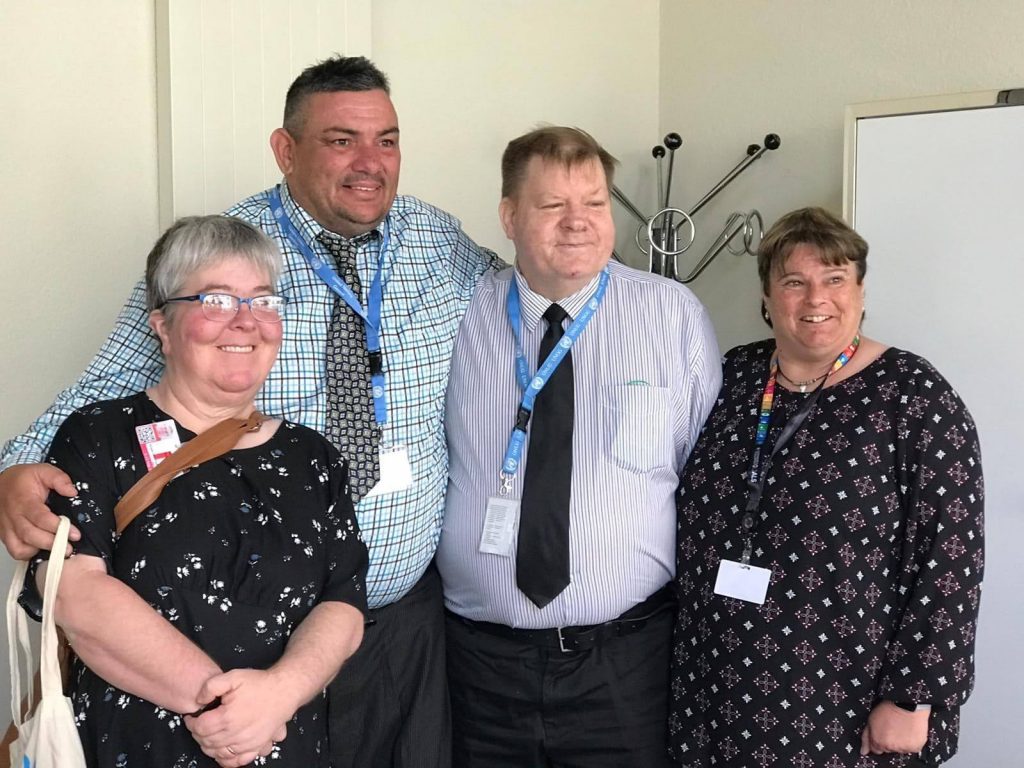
pixel 347 558
pixel 81 450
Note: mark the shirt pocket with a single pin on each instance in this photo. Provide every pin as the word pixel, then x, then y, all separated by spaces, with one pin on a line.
pixel 638 435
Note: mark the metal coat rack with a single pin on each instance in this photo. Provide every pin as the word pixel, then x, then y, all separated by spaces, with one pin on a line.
pixel 663 231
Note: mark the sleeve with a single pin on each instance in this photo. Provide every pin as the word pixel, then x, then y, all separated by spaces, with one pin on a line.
pixel 79 450
pixel 347 558
pixel 129 361
pixel 469 263
pixel 930 658
pixel 704 374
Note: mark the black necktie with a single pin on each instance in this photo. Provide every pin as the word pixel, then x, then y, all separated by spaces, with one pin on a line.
pixel 351 424
pixel 542 557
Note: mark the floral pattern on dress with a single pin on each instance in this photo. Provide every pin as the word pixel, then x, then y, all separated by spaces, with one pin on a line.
pixel 234 554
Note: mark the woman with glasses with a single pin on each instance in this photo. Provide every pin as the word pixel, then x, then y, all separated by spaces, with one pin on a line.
pixel 238 594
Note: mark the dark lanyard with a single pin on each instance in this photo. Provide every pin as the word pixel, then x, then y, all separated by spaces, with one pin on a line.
pixel 758 474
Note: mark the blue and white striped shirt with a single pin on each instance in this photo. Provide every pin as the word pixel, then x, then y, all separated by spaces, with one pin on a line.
pixel 646 373
pixel 430 270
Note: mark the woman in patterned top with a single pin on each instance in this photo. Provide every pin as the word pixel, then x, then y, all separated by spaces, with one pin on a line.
pixel 830 536
pixel 239 593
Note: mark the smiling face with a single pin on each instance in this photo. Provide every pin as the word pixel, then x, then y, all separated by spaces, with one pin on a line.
pixel 342 166
pixel 560 220
pixel 218 363
pixel 815 307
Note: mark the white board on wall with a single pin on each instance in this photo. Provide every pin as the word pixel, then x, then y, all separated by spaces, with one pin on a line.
pixel 936 187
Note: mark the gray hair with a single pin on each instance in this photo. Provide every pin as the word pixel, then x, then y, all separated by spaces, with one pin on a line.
pixel 193 243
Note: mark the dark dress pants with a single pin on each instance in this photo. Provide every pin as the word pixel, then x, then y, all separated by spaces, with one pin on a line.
pixel 388 707
pixel 520 706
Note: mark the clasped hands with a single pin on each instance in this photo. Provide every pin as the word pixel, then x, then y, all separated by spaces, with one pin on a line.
pixel 251 718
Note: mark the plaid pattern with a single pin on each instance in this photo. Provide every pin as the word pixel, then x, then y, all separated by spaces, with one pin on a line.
pixel 430 270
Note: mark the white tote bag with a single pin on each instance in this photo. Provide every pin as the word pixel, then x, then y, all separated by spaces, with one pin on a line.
pixel 48 737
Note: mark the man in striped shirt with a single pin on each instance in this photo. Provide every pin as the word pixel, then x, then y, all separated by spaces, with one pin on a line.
pixel 580 676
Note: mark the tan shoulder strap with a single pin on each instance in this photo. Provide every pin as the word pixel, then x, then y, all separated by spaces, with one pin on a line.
pixel 214 442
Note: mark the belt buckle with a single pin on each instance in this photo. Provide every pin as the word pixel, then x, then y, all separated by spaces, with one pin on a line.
pixel 561 641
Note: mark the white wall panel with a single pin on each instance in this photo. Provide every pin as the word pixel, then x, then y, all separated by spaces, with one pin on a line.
pixel 222 71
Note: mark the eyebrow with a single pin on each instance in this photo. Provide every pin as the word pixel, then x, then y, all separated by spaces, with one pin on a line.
pixel 353 132
pixel 222 288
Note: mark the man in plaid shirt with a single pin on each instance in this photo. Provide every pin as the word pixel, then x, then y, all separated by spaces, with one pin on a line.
pixel 339 152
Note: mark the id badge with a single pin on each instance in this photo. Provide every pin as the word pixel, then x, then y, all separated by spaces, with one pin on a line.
pixel 395 471
pixel 744 582
pixel 157 441
pixel 500 526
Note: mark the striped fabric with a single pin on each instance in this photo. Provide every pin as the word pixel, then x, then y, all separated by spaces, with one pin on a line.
pixel 647 372
pixel 430 270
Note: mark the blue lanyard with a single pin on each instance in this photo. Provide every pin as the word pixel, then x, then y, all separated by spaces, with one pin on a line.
pixel 370 315
pixel 532 386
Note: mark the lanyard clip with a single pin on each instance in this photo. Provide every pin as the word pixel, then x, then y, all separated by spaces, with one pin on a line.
pixel 522 419
pixel 506 484
pixel 747 550
pixel 376 362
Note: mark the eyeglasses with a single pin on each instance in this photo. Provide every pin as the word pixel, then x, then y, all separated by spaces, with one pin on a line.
pixel 223 306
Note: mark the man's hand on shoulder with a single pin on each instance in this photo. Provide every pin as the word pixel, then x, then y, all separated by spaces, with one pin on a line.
pixel 26 523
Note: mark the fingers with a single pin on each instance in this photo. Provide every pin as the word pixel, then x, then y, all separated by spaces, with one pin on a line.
pixel 865 740
pixel 26 523
pixel 218 685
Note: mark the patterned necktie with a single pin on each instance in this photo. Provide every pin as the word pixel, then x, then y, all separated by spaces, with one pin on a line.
pixel 542 557
pixel 351 424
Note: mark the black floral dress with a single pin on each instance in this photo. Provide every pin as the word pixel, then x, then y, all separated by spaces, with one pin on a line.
pixel 234 554
pixel 871 523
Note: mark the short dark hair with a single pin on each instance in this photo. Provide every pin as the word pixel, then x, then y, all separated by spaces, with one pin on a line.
pixel 338 73
pixel 837 242
pixel 193 243
pixel 568 146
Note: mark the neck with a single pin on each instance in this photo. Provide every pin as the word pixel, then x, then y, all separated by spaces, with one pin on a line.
pixel 555 290
pixel 184 405
pixel 801 372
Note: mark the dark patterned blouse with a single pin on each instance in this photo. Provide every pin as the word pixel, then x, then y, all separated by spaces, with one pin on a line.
pixel 871 523
pixel 234 554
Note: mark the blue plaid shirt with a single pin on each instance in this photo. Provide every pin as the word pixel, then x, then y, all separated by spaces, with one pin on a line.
pixel 430 270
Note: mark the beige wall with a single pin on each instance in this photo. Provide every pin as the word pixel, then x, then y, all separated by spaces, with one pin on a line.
pixel 78 200
pixel 78 206
pixel 733 70
pixel 468 75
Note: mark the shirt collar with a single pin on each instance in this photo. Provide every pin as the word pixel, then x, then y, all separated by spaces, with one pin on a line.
pixel 534 305
pixel 311 230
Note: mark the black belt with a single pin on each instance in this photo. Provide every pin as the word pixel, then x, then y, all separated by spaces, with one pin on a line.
pixel 572 639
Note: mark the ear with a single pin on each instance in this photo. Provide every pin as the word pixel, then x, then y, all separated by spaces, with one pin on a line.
pixel 158 322
pixel 283 146
pixel 507 214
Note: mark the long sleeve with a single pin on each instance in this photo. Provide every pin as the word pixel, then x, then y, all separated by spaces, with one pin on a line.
pixel 129 361
pixel 930 658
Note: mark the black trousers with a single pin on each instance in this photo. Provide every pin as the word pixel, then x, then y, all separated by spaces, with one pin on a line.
pixel 517 705
pixel 388 707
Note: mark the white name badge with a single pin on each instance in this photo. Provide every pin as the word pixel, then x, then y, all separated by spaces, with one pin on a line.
pixel 744 582
pixel 500 525
pixel 395 472
pixel 157 441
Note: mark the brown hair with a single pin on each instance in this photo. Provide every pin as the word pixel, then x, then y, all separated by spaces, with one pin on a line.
pixel 561 144
pixel 837 243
